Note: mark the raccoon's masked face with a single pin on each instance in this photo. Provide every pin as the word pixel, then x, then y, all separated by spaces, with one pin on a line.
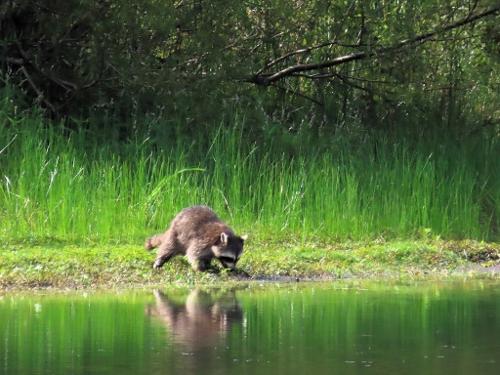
pixel 228 250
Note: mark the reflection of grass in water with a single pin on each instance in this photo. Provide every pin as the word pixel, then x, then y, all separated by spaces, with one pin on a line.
pixel 55 187
pixel 294 324
pixel 54 334
pixel 389 318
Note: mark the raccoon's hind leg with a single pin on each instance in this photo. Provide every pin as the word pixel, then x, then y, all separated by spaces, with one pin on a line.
pixel 168 249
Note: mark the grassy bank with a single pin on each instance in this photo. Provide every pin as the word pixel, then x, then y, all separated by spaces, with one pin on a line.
pixel 68 266
pixel 75 206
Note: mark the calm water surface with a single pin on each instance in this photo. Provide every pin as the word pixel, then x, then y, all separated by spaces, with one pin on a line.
pixel 335 328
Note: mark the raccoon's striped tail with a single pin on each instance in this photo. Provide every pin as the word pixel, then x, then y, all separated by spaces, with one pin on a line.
pixel 153 242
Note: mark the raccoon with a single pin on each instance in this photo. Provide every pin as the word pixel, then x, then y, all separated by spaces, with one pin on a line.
pixel 199 234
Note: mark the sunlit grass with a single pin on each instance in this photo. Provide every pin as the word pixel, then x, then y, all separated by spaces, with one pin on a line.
pixel 73 188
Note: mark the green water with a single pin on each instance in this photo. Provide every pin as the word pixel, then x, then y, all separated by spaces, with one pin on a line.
pixel 336 328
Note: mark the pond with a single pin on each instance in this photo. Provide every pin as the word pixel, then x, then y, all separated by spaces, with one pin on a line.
pixel 326 328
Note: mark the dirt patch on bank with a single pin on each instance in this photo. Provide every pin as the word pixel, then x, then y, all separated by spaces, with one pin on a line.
pixel 474 251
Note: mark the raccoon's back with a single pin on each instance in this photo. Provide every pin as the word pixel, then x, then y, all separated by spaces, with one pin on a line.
pixel 194 219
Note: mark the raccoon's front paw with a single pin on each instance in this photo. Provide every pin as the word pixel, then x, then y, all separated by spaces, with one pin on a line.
pixel 213 270
pixel 157 265
pixel 240 273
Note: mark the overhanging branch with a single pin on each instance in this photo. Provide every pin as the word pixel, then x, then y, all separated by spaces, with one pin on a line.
pixel 264 79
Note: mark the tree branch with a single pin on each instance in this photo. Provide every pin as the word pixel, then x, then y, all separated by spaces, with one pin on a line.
pixel 13 60
pixel 37 90
pixel 66 85
pixel 297 93
pixel 264 79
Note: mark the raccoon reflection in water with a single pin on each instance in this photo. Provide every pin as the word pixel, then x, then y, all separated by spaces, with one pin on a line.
pixel 201 322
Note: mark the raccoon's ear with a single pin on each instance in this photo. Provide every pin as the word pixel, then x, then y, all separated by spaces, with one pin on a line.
pixel 224 238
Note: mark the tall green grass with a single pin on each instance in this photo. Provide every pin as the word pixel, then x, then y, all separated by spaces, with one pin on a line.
pixel 55 185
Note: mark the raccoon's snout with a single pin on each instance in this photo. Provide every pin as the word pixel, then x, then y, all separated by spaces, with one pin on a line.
pixel 228 262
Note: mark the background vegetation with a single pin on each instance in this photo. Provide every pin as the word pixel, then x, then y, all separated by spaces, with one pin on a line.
pixel 324 119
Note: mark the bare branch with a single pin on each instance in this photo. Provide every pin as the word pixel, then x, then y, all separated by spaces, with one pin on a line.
pixel 314 76
pixel 346 81
pixel 39 92
pixel 297 93
pixel 307 50
pixel 13 60
pixel 292 53
pixel 261 78
pixel 66 85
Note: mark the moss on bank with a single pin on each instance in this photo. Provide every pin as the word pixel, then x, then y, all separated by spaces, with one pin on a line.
pixel 25 265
